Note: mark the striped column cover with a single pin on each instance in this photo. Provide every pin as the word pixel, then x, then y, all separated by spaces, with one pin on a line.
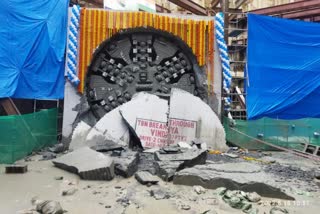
pixel 225 62
pixel 72 50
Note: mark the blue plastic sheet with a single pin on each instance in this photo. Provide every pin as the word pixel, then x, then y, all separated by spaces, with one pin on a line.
pixel 283 76
pixel 32 48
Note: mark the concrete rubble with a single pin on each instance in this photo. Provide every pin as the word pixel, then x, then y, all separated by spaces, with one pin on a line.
pixel 199 189
pixel 159 194
pixel 228 187
pixel 47 206
pixel 167 162
pixel 241 176
pixel 190 157
pixel 126 164
pixel 184 145
pixel 166 169
pixel 178 133
pixel 146 178
pixel 87 163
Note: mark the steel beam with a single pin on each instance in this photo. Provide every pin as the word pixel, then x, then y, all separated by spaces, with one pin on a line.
pixel 231 10
pixel 214 3
pixel 190 6
pixel 302 14
pixel 162 9
pixel 225 10
pixel 239 3
pixel 287 8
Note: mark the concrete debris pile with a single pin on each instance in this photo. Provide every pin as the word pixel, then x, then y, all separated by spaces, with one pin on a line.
pixel 165 162
pixel 168 162
pixel 149 137
pixel 126 163
pixel 147 121
pixel 179 132
pixel 187 126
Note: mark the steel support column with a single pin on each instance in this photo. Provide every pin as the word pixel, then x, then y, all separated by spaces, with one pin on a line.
pixel 225 9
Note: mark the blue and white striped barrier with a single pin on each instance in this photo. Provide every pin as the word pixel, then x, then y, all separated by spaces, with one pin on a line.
pixel 225 62
pixel 72 51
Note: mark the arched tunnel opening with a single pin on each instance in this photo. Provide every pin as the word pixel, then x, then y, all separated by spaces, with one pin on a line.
pixel 141 59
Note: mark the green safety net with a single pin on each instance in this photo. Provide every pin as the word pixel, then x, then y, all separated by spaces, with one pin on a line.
pixel 291 134
pixel 22 134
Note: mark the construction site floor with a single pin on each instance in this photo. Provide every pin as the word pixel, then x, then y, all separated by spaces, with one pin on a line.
pixel 128 196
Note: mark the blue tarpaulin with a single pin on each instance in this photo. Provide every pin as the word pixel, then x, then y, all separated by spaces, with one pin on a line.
pixel 32 48
pixel 283 76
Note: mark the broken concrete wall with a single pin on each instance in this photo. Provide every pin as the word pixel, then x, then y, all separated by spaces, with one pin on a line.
pixel 111 125
pixel 79 136
pixel 71 98
pixel 146 115
pixel 189 118
pixel 214 100
pixel 199 119
pixel 155 124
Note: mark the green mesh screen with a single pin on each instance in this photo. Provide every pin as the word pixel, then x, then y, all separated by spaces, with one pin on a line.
pixel 290 134
pixel 22 134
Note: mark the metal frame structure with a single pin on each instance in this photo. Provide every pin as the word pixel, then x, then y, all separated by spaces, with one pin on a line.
pixel 308 10
pixel 191 6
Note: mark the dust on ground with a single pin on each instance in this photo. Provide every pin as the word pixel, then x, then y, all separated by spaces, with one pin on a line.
pixel 127 195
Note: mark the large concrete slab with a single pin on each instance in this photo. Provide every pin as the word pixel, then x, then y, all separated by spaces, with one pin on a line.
pixel 166 165
pixel 190 157
pixel 240 176
pixel 146 178
pixel 187 111
pixel 146 114
pixel 87 163
pixel 112 126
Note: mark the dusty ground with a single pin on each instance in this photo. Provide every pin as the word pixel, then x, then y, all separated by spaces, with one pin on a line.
pixel 128 196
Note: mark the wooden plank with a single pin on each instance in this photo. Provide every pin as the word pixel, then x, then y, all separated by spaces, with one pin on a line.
pixel 12 169
pixel 9 106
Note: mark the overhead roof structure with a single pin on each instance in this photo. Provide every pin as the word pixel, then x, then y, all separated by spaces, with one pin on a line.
pixel 304 10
